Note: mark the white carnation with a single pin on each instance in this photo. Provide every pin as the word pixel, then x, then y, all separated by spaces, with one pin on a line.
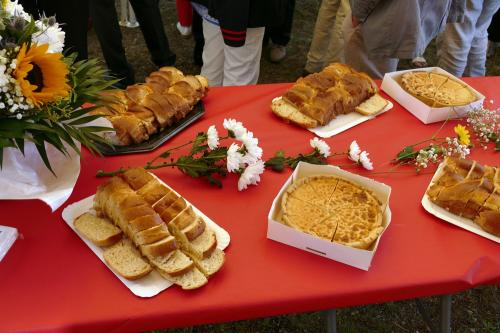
pixel 253 151
pixel 321 146
pixel 365 161
pixel 4 77
pixel 14 9
pixel 234 158
pixel 251 175
pixel 235 126
pixel 212 137
pixel 52 35
pixel 354 151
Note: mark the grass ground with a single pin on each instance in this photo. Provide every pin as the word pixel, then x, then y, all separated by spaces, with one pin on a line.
pixel 476 310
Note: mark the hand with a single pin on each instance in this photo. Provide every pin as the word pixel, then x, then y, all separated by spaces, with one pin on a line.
pixel 355 21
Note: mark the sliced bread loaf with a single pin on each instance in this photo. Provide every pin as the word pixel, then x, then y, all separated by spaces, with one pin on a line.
pixel 165 202
pixel 198 247
pixel 124 258
pixel 372 105
pixel 144 222
pixel 184 218
pixel 98 230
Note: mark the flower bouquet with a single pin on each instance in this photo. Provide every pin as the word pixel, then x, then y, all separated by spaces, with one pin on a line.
pixel 42 97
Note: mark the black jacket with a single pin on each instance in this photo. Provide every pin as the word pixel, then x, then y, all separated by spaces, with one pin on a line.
pixel 235 16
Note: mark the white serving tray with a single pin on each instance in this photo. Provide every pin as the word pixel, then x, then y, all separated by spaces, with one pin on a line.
pixel 447 216
pixel 152 284
pixel 419 109
pixel 282 233
pixel 343 122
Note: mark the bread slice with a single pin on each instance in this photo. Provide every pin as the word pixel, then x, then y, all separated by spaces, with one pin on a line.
pixel 210 265
pixel 144 222
pixel 165 202
pixel 173 263
pixel 137 177
pixel 372 105
pixel 184 218
pixel 151 235
pixel 290 113
pixel 173 210
pixel 124 258
pixel 99 231
pixel 153 191
pixel 198 247
pixel 159 248
pixel 190 280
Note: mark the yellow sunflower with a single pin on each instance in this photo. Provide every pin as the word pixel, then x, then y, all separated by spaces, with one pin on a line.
pixel 462 134
pixel 41 75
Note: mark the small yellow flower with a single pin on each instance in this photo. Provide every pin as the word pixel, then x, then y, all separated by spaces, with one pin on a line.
pixel 462 135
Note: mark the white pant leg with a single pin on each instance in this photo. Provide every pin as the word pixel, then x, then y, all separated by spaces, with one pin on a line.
pixel 242 64
pixel 476 60
pixel 454 43
pixel 213 54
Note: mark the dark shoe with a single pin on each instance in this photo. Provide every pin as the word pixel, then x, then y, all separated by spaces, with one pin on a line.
pixel 169 61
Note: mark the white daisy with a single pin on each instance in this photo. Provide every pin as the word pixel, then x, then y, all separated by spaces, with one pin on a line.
pixel 234 158
pixel 14 9
pixel 321 146
pixel 52 35
pixel 251 175
pixel 354 151
pixel 364 160
pixel 235 126
pixel 212 137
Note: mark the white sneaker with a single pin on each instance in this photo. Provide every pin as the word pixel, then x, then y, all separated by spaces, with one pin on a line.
pixel 184 31
pixel 277 53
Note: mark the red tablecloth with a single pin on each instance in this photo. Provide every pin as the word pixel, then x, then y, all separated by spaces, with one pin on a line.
pixel 50 281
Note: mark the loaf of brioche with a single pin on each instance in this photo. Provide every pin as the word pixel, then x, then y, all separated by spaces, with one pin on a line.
pixel 469 189
pixel 141 110
pixel 318 98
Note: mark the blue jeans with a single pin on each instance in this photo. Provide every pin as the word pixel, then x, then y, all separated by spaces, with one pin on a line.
pixel 461 47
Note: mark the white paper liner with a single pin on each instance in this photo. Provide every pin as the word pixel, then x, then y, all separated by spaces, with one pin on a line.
pixel 152 284
pixel 447 216
pixel 358 258
pixel 8 236
pixel 27 177
pixel 343 122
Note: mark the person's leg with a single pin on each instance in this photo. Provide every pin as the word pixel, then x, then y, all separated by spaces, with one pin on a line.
pixel 105 21
pixel 149 18
pixel 454 43
pixel 213 54
pixel 357 57
pixel 280 35
pixel 199 41
pixel 321 36
pixel 335 51
pixel 242 64
pixel 476 61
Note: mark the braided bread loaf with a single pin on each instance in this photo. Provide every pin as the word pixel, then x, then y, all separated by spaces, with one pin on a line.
pixel 144 109
pixel 316 99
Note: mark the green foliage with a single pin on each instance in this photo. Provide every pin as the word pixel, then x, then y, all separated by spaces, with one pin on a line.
pixel 279 160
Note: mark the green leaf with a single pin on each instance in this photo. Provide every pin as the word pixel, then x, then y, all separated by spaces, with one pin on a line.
pixel 43 155
pixel 214 181
pixel 276 163
pixel 216 154
pixel 198 143
pixel 20 145
pixel 84 120
pixel 407 153
pixel 1 157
